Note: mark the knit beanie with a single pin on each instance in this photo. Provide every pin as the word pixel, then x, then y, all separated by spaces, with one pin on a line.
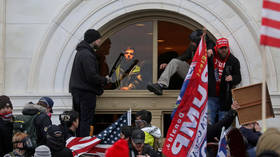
pixel 48 101
pixel 91 35
pixel 269 141
pixel 5 102
pixel 195 36
pixel 42 151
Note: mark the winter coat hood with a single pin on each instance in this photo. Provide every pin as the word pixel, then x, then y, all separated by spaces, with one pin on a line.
pixel 32 109
pixel 153 130
pixel 84 45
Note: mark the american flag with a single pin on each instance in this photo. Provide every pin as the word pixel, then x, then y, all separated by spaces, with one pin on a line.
pixel 270 30
pixel 98 144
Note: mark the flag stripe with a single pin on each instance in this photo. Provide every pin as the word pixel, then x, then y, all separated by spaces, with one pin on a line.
pixel 271 5
pixel 271 14
pixel 80 140
pixel 271 23
pixel 271 32
pixel 79 146
pixel 266 40
pixel 100 148
pixel 73 141
pixel 85 149
pixel 276 1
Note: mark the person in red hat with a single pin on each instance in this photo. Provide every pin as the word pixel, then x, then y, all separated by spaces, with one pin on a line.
pixel 223 75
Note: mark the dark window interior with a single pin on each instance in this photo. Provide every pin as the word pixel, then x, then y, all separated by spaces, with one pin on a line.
pixel 166 122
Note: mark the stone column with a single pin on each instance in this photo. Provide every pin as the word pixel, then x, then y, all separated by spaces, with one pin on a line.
pixel 157 118
pixel 2 43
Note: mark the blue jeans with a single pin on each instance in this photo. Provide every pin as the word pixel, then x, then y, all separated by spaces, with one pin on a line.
pixel 252 152
pixel 214 110
pixel 222 114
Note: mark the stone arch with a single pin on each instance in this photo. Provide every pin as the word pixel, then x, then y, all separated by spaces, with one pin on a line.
pixel 57 47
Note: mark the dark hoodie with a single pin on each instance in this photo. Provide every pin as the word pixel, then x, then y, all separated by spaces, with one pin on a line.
pixel 57 147
pixel 56 142
pixel 85 74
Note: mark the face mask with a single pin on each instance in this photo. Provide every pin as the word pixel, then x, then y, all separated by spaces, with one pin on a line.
pixel 27 144
pixel 6 115
pixel 140 123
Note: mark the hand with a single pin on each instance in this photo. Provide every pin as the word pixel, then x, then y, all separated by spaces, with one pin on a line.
pixel 162 66
pixel 228 78
pixel 257 127
pixel 235 105
pixel 209 52
pixel 204 31
pixel 216 139
pixel 109 79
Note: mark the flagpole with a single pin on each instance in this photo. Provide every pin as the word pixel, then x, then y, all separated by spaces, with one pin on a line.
pixel 263 89
pixel 129 117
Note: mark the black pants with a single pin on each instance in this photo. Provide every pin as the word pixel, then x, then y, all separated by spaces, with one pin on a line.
pixel 84 103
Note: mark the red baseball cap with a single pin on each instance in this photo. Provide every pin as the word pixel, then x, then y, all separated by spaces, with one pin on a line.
pixel 222 42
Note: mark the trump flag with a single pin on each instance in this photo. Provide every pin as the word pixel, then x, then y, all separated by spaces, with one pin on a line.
pixel 187 133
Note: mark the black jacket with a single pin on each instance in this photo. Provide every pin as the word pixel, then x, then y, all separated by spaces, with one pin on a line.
pixel 216 129
pixel 57 146
pixel 41 122
pixel 147 149
pixel 6 134
pixel 67 133
pixel 65 152
pixel 189 53
pixel 232 67
pixel 85 75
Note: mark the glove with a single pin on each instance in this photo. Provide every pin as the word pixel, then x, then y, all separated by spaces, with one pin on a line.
pixel 109 79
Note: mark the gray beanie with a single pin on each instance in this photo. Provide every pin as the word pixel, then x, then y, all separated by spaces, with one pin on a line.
pixel 42 151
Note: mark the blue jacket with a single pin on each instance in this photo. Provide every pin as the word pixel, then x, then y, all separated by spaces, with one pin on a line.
pixel 251 135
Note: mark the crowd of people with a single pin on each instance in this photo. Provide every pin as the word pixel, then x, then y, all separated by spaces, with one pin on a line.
pixel 37 136
pixel 33 134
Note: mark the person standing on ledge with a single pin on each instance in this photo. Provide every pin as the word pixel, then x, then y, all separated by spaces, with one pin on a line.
pixel 85 80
